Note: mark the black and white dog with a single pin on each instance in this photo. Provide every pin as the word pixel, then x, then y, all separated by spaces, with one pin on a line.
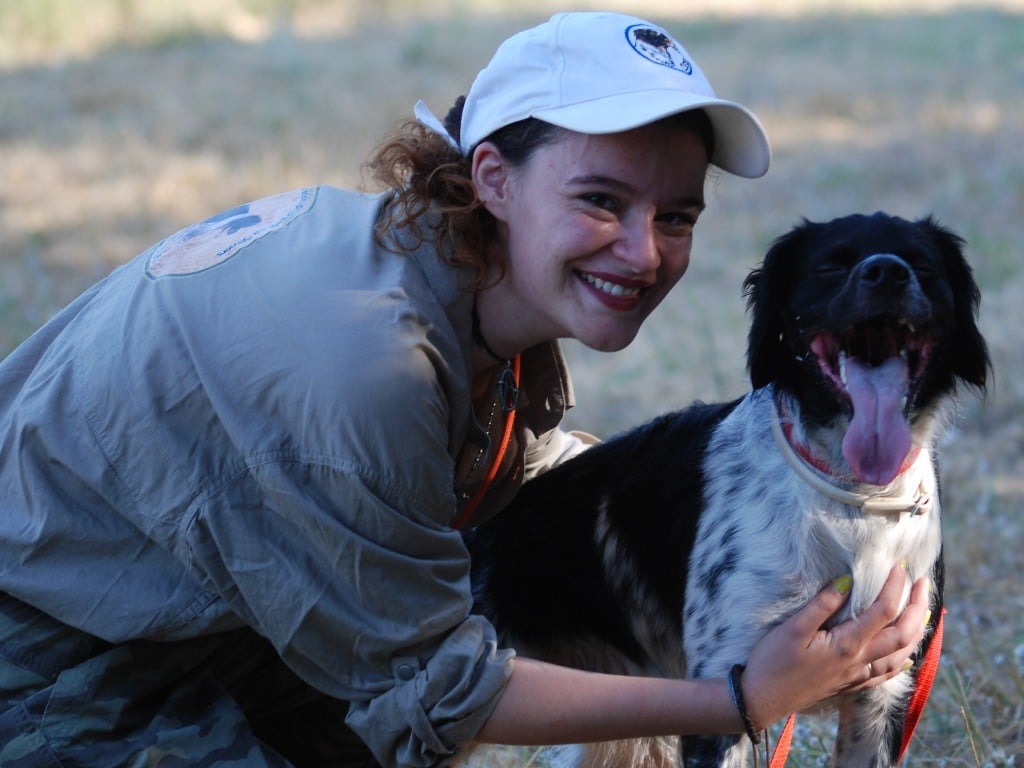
pixel 671 549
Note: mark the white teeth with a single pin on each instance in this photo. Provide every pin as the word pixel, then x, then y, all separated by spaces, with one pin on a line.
pixel 612 289
pixel 842 366
pixel 903 354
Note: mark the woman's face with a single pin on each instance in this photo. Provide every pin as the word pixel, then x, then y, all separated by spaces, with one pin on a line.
pixel 595 231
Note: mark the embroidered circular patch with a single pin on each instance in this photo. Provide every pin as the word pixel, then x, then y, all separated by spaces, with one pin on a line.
pixel 656 46
pixel 218 238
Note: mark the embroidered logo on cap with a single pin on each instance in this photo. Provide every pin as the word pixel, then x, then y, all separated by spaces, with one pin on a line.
pixel 215 240
pixel 656 46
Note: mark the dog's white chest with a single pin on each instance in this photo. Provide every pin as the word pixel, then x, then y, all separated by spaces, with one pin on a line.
pixel 767 540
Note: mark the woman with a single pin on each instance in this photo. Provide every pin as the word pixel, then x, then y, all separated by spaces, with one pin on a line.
pixel 231 471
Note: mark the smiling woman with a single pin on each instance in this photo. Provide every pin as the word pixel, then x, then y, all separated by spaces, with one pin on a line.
pixel 250 442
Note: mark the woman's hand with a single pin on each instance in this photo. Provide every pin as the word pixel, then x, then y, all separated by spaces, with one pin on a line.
pixel 798 663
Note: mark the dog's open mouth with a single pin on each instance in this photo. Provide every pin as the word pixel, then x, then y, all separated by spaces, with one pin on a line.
pixel 875 367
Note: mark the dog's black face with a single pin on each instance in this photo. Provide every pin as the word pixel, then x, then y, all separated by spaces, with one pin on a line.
pixel 867 318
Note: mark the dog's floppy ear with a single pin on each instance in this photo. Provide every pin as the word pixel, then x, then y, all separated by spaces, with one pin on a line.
pixel 766 289
pixel 969 353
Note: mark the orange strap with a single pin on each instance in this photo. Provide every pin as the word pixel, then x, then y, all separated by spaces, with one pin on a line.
pixel 922 686
pixel 506 437
pixel 922 689
pixel 782 747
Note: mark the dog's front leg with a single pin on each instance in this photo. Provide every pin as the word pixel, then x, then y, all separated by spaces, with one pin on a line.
pixel 870 726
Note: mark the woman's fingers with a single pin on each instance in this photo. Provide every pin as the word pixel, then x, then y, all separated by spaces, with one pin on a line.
pixel 808 621
pixel 881 613
pixel 890 650
pixel 784 670
pixel 799 662
pixel 871 633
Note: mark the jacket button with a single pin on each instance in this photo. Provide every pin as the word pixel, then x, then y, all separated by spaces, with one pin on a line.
pixel 406 671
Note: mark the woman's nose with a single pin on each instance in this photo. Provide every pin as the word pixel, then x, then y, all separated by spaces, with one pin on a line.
pixel 639 248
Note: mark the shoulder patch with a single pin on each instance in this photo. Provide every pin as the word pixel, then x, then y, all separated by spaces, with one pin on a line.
pixel 211 242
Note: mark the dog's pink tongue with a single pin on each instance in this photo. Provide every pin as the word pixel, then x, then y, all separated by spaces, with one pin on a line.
pixel 879 437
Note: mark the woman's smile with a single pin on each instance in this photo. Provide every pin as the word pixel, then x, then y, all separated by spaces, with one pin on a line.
pixel 616 293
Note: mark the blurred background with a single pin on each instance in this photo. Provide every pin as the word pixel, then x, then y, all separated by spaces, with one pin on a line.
pixel 123 120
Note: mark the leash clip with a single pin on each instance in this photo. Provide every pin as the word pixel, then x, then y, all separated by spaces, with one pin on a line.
pixel 508 391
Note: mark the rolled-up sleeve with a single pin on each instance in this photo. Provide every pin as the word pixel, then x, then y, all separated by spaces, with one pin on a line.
pixel 433 714
pixel 365 601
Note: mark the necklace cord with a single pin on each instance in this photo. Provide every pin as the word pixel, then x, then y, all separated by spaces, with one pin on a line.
pixel 480 341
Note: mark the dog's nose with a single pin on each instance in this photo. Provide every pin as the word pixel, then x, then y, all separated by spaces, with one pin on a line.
pixel 883 269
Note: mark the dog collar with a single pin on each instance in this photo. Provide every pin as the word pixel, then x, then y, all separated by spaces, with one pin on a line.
pixel 875 502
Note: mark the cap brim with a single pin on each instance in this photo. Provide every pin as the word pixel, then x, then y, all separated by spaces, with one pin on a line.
pixel 741 144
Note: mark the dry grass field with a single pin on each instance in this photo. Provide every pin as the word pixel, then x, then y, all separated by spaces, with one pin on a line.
pixel 123 120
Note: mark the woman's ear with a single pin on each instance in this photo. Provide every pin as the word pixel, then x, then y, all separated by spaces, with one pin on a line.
pixel 491 179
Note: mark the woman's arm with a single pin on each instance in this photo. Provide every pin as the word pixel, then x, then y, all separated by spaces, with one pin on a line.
pixel 797 664
pixel 547 704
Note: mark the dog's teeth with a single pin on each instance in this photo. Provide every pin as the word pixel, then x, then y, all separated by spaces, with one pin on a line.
pixel 842 366
pixel 911 327
pixel 904 354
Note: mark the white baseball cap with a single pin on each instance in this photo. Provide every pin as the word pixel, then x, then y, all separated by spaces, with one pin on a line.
pixel 599 72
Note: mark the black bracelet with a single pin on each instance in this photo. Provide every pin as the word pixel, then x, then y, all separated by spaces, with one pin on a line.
pixel 736 691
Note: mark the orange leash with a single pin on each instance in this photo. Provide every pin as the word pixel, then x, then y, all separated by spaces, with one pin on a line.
pixel 923 686
pixel 922 689
pixel 506 437
pixel 781 751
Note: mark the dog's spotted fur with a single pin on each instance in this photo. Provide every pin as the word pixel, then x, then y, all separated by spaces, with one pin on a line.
pixel 694 533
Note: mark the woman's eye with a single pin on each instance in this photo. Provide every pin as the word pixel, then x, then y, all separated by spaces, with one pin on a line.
pixel 600 200
pixel 678 219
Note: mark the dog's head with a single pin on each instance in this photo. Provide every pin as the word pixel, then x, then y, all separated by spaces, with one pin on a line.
pixel 871 319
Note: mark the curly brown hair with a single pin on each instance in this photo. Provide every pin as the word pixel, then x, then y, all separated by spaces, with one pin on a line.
pixel 425 172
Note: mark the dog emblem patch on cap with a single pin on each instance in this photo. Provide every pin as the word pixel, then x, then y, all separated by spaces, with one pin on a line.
pixel 656 46
pixel 215 240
